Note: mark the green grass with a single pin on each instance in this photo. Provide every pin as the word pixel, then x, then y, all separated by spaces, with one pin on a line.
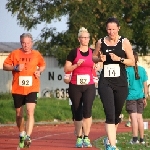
pixel 123 142
pixel 5 96
pixel 48 109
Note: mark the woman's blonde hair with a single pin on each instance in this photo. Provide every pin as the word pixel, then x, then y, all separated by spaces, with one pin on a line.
pixel 82 30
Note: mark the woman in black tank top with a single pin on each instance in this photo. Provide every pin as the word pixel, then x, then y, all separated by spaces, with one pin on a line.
pixel 115 52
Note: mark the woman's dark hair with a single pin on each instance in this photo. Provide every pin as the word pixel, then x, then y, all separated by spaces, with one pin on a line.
pixel 136 66
pixel 111 20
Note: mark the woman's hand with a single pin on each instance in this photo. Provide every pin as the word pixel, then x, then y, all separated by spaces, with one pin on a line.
pixel 114 57
pixel 80 61
pixel 102 57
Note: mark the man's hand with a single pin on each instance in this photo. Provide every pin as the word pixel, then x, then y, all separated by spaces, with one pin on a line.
pixel 19 67
pixel 37 74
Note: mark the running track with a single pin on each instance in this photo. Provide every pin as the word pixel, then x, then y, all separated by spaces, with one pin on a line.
pixel 52 137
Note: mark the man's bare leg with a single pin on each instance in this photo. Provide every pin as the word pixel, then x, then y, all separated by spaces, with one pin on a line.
pixel 20 125
pixel 20 119
pixel 30 107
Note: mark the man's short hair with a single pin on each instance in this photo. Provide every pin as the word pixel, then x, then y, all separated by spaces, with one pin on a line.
pixel 26 35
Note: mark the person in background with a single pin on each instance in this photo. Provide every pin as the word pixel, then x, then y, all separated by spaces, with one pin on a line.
pixel 81 87
pixel 136 100
pixel 115 52
pixel 26 66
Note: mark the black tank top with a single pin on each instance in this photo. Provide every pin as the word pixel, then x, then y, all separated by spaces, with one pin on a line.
pixel 117 50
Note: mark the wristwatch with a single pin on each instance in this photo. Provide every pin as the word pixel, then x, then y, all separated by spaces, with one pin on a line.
pixel 16 68
pixel 121 60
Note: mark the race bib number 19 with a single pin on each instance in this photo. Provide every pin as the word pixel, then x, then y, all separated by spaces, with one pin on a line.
pixel 25 80
pixel 83 79
pixel 112 70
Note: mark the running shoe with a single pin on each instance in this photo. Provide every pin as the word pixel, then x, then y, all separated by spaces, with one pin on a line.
pixel 86 142
pixel 109 147
pixel 27 142
pixel 143 142
pixel 106 142
pixel 133 142
pixel 128 124
pixel 21 142
pixel 79 143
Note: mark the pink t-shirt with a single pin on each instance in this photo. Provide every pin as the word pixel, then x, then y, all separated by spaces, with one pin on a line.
pixel 84 69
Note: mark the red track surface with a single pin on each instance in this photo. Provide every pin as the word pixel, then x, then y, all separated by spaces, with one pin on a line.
pixel 52 137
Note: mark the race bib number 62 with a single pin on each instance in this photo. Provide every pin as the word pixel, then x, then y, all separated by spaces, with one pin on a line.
pixel 112 70
pixel 25 80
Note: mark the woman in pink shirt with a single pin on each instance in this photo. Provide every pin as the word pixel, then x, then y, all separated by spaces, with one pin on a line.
pixel 81 87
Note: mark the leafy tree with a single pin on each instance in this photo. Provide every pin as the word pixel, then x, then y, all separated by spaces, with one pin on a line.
pixel 134 17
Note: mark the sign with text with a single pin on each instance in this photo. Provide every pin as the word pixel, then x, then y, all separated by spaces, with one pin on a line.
pixel 52 83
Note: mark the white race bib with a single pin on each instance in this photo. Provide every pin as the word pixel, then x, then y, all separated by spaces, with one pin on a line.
pixel 112 70
pixel 25 80
pixel 83 79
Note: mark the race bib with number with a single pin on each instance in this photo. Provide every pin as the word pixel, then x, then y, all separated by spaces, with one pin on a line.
pixel 25 80
pixel 83 79
pixel 112 70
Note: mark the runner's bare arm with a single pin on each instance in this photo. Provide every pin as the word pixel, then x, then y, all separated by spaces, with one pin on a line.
pixel 145 89
pixel 67 81
pixel 129 52
pixel 8 67
pixel 16 68
pixel 8 64
pixel 67 77
pixel 96 53
pixel 41 69
pixel 146 94
pixel 69 67
pixel 38 72
pixel 129 61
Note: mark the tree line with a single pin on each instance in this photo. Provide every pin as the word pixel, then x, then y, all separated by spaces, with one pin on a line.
pixel 133 15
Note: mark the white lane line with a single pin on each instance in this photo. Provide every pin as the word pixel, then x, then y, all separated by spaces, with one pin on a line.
pixel 42 137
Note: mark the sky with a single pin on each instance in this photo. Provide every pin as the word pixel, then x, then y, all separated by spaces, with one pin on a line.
pixel 10 31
